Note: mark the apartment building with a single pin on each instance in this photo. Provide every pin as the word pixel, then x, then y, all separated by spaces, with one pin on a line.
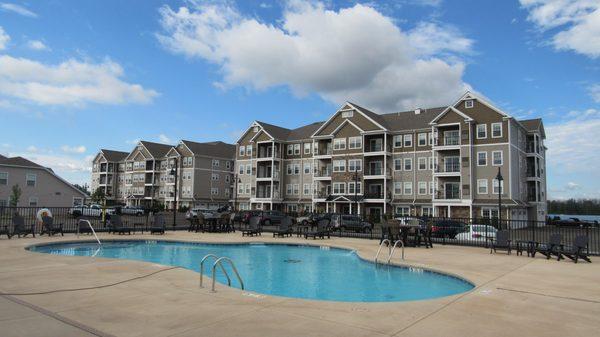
pixel 147 175
pixel 439 161
pixel 40 186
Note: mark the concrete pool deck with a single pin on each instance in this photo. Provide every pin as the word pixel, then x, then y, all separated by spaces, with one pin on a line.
pixel 515 296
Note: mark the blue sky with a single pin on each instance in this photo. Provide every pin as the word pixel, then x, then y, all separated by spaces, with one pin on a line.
pixel 76 76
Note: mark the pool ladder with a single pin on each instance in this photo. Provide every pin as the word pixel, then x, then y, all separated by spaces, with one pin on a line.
pixel 218 262
pixel 391 247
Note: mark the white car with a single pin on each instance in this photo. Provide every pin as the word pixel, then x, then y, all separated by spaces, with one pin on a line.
pixel 132 210
pixel 477 233
pixel 91 210
pixel 193 213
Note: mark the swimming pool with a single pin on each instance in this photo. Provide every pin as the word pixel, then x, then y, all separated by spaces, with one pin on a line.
pixel 301 271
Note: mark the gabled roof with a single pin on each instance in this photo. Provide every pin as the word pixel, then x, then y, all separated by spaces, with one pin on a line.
pixel 470 95
pixel 114 156
pixel 157 150
pixel 275 131
pixel 534 124
pixel 370 114
pixel 304 132
pixel 2 157
pixel 409 120
pixel 19 161
pixel 216 149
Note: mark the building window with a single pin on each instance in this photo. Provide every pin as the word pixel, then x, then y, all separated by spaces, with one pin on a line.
pixel 241 169
pixel 354 165
pixel 249 150
pixel 249 169
pixel 307 148
pixel 296 149
pixel 255 129
pixel 30 179
pixel 242 151
pixel 481 158
pixel 3 178
pixel 296 189
pixel 495 184
pixel 496 130
pixel 215 162
pixel 248 188
pixel 497 158
pixel 489 212
pixel 482 186
pixel 407 164
pixel 33 202
pixel 398 164
pixel 351 188
pixel 398 141
pixel 339 144
pixel 290 149
pixel 355 142
pixel 307 168
pixel 407 140
pixel 431 187
pixel 422 139
pixel 430 134
pixel 426 211
pixel 481 131
pixel 306 189
pixel 469 103
pixel 347 114
pixel 339 188
pixel 227 178
pixel 214 191
pixel 296 169
pixel 402 210
pixel 214 176
pixel 398 188
pixel 422 163
pixel 339 166
pixel 408 188
pixel 241 189
pixel 228 164
pixel 422 187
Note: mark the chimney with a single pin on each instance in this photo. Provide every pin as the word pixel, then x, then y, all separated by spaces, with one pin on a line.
pixel 417 111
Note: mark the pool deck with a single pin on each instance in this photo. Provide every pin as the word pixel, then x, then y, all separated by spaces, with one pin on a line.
pixel 515 296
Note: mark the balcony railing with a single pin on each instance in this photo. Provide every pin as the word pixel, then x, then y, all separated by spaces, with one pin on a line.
pixel 273 175
pixel 373 195
pixel 448 167
pixel 323 173
pixel 451 140
pixel 447 194
pixel 325 152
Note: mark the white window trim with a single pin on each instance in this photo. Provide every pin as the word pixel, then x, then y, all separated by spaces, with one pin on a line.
pixel 401 188
pixel 34 179
pixel 419 163
pixel 477 131
pixel 355 161
pixel 37 201
pixel 485 183
pixel 408 137
pixel 358 145
pixel 401 164
pixel 486 158
pixel 341 142
pixel 338 166
pixel 419 184
pixel 419 139
pixel 406 160
pixel 406 184
pixel 469 104
pixel 307 146
pixel 401 137
pixel 492 130
pixel 501 158
pixel 501 189
pixel 6 178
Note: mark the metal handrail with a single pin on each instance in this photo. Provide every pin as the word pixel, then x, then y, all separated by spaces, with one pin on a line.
pixel 218 262
pixel 394 248
pixel 202 269
pixel 91 227
pixel 381 246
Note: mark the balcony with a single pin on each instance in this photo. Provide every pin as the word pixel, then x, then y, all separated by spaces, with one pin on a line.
pixel 267 175
pixel 376 173
pixel 324 173
pixel 449 194
pixel 267 154
pixel 374 195
pixel 450 167
pixel 451 140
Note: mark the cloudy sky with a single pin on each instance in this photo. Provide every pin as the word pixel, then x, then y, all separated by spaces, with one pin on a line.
pixel 76 76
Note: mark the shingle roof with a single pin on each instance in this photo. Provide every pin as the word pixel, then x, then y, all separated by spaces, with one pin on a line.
pixel 114 156
pixel 2 157
pixel 374 116
pixel 275 131
pixel 304 132
pixel 211 149
pixel 409 120
pixel 531 124
pixel 157 150
pixel 19 161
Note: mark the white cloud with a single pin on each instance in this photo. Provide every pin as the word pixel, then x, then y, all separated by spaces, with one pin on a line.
pixel 72 83
pixel 354 54
pixel 9 7
pixel 594 91
pixel 577 22
pixel 572 154
pixel 73 149
pixel 134 141
pixel 32 148
pixel 573 186
pixel 164 139
pixel 4 38
pixel 36 45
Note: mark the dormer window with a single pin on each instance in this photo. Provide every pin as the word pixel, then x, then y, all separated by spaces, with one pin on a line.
pixel 255 129
pixel 347 114
pixel 469 103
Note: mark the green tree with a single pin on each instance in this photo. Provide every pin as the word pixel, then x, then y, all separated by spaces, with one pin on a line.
pixel 85 188
pixel 98 196
pixel 15 195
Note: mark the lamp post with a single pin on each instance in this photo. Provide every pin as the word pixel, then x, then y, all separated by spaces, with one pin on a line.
pixel 174 174
pixel 235 191
pixel 499 179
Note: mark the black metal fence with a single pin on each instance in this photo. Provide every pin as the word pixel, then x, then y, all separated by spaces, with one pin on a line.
pixel 451 231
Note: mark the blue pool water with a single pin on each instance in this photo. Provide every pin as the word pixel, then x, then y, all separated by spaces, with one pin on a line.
pixel 309 272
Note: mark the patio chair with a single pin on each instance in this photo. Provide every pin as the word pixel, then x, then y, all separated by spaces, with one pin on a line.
pixel 224 224
pixel 552 247
pixel 502 242
pixel 285 228
pixel 253 227
pixel 390 231
pixel 48 227
pixel 4 230
pixel 83 226
pixel 19 227
pixel 158 225
pixel 321 232
pixel 578 249
pixel 117 225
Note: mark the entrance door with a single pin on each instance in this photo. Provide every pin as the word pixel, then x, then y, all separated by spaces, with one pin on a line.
pixel 375 191
pixel 375 214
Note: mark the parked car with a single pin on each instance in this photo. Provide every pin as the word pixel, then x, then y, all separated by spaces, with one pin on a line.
pixel 246 215
pixel 348 222
pixel 85 210
pixel 448 228
pixel 570 222
pixel 307 219
pixel 132 210
pixel 477 233
pixel 271 217
pixel 193 213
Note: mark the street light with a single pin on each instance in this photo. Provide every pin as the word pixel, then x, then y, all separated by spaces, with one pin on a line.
pixel 174 174
pixel 499 179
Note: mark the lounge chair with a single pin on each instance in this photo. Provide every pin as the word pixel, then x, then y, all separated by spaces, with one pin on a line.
pixel 285 228
pixel 48 227
pixel 502 242
pixel 4 230
pixel 117 225
pixel 553 247
pixel 253 227
pixel 19 227
pixel 159 225
pixel 578 250
pixel 321 232
pixel 84 226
